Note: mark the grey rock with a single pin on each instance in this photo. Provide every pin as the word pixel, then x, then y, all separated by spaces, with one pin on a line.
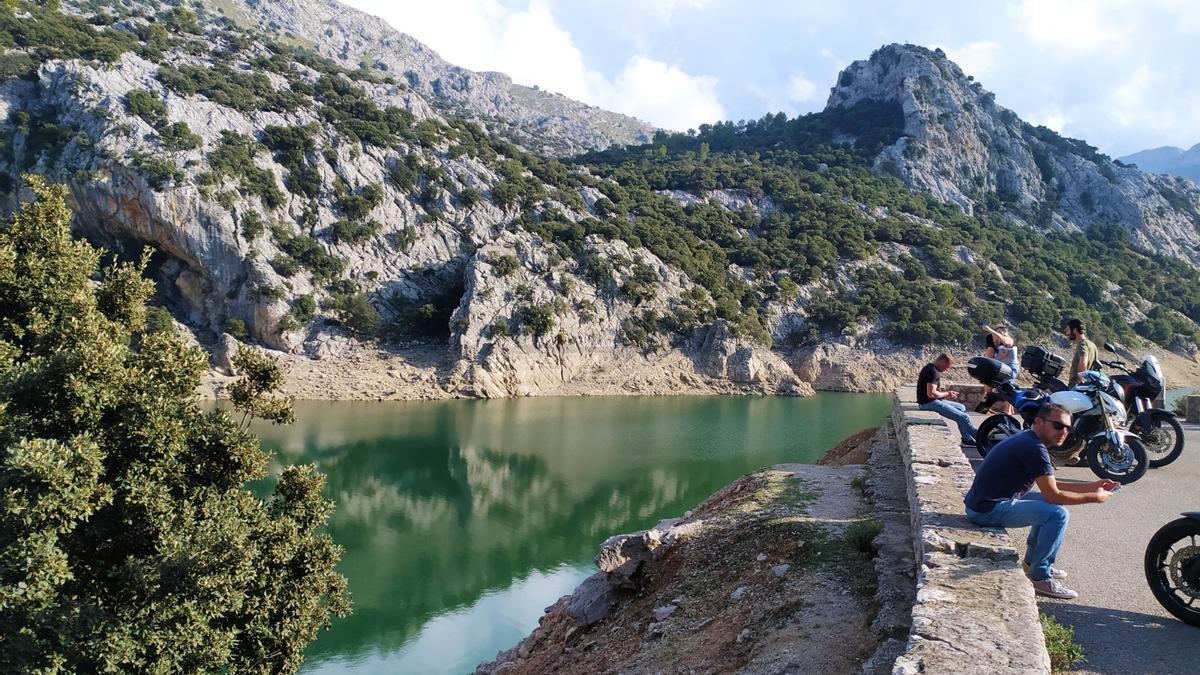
pixel 544 122
pixel 661 613
pixel 780 570
pixel 592 600
pixel 958 142
pixel 738 593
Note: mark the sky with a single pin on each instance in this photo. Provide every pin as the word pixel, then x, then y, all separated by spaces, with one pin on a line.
pixel 1120 75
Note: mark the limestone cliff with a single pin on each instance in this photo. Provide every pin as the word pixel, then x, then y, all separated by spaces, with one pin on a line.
pixel 542 121
pixel 961 146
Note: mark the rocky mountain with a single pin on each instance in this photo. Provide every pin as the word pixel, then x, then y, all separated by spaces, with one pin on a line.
pixel 1168 159
pixel 544 122
pixel 304 198
pixel 961 146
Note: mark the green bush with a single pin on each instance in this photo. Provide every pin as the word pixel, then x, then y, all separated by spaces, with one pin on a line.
pixel 285 265
pixel 252 225
pixel 236 327
pixel 179 136
pixel 355 311
pixel 535 319
pixel 147 106
pixel 158 171
pixel 131 541
pixel 1060 643
pixel 159 320
pixel 234 156
pixel 354 232
pixel 309 254
pixel 506 264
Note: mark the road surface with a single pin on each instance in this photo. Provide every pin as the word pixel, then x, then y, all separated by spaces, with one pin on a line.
pixel 1119 624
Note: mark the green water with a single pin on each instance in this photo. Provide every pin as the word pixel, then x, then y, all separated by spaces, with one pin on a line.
pixel 462 520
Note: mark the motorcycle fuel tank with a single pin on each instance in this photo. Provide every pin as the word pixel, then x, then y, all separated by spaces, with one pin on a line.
pixel 1075 402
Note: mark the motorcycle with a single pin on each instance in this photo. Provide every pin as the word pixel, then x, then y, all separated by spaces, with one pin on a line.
pixel 1172 566
pixel 1159 429
pixel 1097 420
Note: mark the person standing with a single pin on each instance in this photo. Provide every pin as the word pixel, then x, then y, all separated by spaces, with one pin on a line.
pixel 930 396
pixel 1000 497
pixel 1085 350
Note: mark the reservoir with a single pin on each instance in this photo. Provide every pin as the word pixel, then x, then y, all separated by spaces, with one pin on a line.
pixel 462 520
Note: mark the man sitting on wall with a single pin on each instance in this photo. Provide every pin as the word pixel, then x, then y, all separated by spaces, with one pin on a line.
pixel 999 496
pixel 945 403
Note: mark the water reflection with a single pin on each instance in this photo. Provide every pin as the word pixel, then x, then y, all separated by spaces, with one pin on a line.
pixel 461 520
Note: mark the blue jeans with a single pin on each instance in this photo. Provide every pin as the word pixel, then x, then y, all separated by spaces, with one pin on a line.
pixel 1047 524
pixel 955 411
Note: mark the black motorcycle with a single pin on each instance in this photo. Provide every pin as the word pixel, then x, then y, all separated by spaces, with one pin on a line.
pixel 1173 567
pixel 1159 429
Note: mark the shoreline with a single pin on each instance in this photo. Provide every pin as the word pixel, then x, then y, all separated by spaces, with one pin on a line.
pixel 367 372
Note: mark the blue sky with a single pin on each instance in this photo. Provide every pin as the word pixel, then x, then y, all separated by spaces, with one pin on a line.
pixel 1120 75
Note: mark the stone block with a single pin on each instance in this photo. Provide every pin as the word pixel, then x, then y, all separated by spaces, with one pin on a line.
pixel 1191 407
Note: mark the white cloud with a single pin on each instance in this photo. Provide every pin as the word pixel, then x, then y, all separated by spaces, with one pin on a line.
pixel 665 9
pixel 1071 25
pixel 531 47
pixel 977 58
pixel 800 89
pixel 665 95
pixel 1052 118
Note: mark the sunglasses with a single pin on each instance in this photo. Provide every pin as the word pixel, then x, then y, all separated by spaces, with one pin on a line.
pixel 1058 426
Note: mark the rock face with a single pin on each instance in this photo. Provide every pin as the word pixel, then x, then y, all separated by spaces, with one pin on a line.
pixel 544 122
pixel 241 245
pixel 961 146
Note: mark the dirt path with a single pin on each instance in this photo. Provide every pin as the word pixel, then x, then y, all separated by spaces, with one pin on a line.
pixel 769 575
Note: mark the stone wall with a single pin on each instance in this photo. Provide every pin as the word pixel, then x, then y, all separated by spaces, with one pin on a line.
pixel 974 609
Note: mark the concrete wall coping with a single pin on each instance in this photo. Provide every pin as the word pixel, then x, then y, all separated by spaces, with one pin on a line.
pixel 975 609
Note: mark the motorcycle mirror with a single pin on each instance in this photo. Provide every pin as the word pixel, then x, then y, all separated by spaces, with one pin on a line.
pixel 1109 346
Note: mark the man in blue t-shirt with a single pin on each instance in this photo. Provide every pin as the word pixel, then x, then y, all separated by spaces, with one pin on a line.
pixel 1000 497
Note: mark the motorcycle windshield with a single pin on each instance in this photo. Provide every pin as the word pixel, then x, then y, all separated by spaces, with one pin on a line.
pixel 1153 371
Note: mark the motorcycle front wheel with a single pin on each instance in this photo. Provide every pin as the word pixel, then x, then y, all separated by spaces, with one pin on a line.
pixel 1164 438
pixel 1124 464
pixel 993 430
pixel 1173 568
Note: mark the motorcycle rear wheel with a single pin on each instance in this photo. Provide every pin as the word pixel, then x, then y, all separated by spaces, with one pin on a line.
pixel 1173 551
pixel 1123 466
pixel 1164 440
pixel 995 429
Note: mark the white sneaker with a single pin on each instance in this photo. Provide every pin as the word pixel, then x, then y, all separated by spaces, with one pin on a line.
pixel 1052 588
pixel 1055 573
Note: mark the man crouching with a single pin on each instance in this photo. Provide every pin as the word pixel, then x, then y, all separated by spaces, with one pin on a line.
pixel 999 496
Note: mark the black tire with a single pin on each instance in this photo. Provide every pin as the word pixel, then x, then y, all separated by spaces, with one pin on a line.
pixel 1164 440
pixel 1120 468
pixel 1175 544
pixel 993 430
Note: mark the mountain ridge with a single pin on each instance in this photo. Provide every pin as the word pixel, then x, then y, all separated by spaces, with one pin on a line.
pixel 1170 160
pixel 544 122
pixel 306 204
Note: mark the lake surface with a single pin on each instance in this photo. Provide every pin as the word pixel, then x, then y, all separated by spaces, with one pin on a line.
pixel 462 520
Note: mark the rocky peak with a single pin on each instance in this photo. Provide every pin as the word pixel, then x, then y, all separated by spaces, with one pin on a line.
pixel 542 122
pixel 961 146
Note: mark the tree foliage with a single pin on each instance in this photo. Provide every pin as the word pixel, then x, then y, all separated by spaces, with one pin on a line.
pixel 128 542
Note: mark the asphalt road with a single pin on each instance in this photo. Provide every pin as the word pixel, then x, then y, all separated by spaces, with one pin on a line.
pixel 1120 625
